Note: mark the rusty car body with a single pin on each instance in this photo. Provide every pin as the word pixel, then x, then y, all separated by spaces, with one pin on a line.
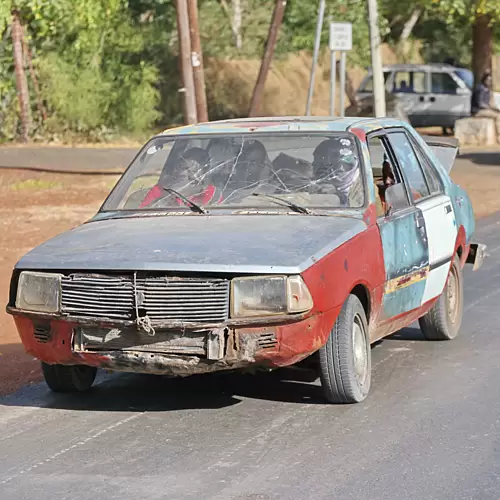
pixel 255 242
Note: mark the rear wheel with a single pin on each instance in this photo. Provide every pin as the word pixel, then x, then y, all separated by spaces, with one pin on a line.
pixel 345 359
pixel 74 378
pixel 443 321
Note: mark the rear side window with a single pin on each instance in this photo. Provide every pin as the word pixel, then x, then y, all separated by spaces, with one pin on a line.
pixel 409 82
pixel 408 161
pixel 433 180
pixel 443 83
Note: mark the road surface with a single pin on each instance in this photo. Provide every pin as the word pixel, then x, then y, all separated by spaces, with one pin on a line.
pixel 115 160
pixel 429 430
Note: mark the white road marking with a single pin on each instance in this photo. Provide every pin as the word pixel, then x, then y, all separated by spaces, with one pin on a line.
pixel 72 447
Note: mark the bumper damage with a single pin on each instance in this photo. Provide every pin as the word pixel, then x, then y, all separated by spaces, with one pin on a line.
pixel 171 352
pixel 477 255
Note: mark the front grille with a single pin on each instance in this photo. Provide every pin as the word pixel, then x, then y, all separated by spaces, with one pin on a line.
pixel 187 300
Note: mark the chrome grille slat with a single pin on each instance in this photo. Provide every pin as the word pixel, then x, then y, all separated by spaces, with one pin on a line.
pixel 101 314
pixel 100 293
pixel 194 300
pixel 92 305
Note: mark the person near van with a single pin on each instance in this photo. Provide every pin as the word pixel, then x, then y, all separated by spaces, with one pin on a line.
pixel 482 104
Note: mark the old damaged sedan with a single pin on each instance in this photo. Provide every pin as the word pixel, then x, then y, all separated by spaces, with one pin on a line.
pixel 255 243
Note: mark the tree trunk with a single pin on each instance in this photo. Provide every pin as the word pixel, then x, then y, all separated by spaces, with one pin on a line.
pixel 21 81
pixel 258 91
pixel 234 14
pixel 482 46
pixel 409 25
pixel 237 23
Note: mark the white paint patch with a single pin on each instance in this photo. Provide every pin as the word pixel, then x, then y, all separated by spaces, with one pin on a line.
pixel 436 280
pixel 442 233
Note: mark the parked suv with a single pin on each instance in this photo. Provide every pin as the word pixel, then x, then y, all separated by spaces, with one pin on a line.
pixel 431 95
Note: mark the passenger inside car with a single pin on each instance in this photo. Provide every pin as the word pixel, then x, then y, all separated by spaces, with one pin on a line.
pixel 252 167
pixel 188 176
pixel 404 87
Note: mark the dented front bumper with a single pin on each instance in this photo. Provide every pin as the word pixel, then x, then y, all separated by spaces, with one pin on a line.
pixel 172 351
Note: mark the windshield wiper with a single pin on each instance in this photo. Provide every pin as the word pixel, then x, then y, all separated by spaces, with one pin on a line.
pixel 192 205
pixel 297 208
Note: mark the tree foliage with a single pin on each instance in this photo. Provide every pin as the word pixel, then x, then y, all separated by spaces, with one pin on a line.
pixel 111 66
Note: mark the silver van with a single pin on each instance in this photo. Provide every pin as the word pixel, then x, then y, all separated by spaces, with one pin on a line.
pixel 431 95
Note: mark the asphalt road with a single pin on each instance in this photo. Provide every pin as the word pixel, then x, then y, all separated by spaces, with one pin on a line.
pixel 115 160
pixel 66 159
pixel 430 428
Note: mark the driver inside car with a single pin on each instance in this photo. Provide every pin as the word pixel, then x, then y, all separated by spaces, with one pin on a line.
pixel 388 180
pixel 336 171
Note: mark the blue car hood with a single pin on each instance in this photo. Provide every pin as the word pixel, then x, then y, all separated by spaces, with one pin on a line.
pixel 219 243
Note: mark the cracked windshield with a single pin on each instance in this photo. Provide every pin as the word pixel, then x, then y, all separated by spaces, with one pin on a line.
pixel 295 171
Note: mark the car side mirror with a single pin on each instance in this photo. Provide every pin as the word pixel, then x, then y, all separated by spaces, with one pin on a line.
pixel 396 198
pixel 462 91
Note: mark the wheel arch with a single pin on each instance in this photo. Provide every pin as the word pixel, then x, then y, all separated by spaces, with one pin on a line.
pixel 362 293
pixel 461 245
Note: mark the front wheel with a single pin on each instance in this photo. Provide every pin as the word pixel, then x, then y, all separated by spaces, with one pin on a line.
pixel 345 359
pixel 443 321
pixel 74 378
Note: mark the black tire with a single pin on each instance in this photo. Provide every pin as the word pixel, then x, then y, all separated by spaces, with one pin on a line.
pixel 346 378
pixel 443 321
pixel 74 378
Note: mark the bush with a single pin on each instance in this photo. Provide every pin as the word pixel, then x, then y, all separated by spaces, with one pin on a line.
pixel 93 104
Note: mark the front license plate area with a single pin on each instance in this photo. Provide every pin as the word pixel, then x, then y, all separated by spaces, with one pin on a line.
pixel 91 339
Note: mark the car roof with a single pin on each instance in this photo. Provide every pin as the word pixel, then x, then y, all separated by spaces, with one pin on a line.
pixel 284 124
pixel 421 67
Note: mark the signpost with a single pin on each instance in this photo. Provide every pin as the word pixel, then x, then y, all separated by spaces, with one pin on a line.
pixel 340 41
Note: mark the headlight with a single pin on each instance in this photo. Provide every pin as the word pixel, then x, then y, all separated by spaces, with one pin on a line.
pixel 38 292
pixel 269 295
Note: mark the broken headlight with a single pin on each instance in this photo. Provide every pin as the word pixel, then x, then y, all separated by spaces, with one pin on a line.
pixel 38 292
pixel 269 295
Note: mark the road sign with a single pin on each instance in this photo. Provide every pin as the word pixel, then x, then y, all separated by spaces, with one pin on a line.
pixel 340 36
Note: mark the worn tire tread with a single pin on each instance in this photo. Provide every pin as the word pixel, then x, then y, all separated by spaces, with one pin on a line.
pixel 337 379
pixel 434 324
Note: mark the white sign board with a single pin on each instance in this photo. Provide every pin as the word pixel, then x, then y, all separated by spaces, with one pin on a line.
pixel 341 36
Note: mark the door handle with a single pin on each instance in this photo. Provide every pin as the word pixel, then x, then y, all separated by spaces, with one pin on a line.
pixel 447 209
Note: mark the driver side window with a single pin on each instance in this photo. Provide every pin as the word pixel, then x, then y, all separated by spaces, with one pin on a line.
pixel 384 172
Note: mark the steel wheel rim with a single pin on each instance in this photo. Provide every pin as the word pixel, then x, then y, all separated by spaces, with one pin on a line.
pixel 360 354
pixel 452 295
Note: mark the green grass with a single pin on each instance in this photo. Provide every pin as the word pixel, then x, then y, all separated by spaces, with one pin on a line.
pixel 35 184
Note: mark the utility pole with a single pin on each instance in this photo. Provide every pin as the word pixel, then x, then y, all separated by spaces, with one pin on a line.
pixel 21 81
pixel 378 75
pixel 279 10
pixel 197 62
pixel 317 41
pixel 190 115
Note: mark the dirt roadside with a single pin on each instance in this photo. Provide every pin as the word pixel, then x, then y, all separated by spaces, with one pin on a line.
pixel 36 206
